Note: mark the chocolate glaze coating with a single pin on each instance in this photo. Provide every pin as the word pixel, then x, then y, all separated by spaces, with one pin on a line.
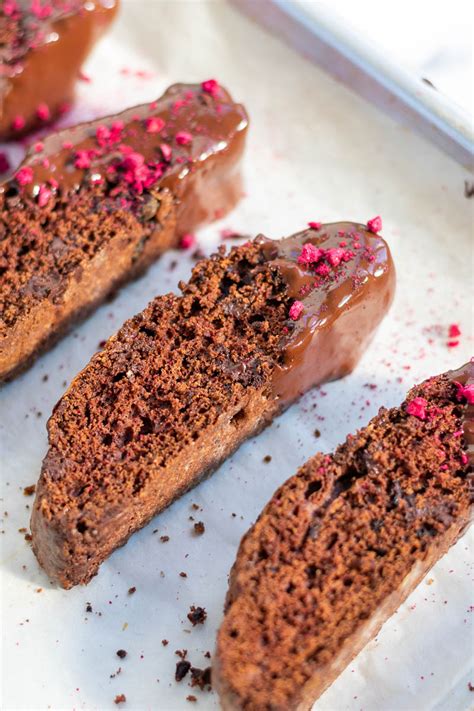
pixel 66 273
pixel 41 62
pixel 339 317
pixel 465 376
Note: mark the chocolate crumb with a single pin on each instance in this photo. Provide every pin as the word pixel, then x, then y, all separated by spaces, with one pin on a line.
pixel 183 575
pixel 182 669
pixel 164 539
pixel 121 653
pixel 195 506
pixel 201 677
pixel 470 686
pixel 191 698
pixel 317 434
pixel 88 607
pixel 45 378
pixel 120 699
pixel 28 537
pixel 199 528
pixel 132 590
pixel 181 653
pixel 29 490
pixel 197 615
pixel 102 344
pixel 164 642
pixel 267 458
pixel 208 655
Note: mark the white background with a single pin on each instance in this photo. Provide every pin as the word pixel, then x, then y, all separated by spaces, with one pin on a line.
pixel 315 152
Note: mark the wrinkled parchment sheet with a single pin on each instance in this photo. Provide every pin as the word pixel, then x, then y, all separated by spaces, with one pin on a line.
pixel 315 152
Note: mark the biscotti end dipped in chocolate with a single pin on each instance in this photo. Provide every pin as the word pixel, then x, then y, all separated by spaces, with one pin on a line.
pixel 342 544
pixel 43 44
pixel 92 206
pixel 185 382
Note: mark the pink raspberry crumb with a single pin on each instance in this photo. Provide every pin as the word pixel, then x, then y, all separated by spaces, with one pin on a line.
pixel 183 138
pixel 315 225
pixel 82 160
pixel 454 330
pixel 166 151
pixel 309 254
pixel 24 175
pixel 296 310
pixel 417 408
pixel 43 112
pixel 211 86
pixel 187 241
pixel 465 392
pixel 375 224
pixel 18 123
pixel 154 124
pixel 44 195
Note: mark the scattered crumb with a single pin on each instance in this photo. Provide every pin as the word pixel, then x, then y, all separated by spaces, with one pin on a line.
pixel 468 188
pixel 191 698
pixel 317 434
pixel 122 653
pixel 197 615
pixel 29 490
pixel 267 458
pixel 182 669
pixel 164 539
pixel 132 590
pixel 183 575
pixel 195 506
pixel 120 699
pixel 199 528
pixel 201 677
pixel 164 642
pixel 88 607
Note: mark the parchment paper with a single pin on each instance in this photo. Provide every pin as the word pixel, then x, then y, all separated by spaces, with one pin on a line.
pixel 315 152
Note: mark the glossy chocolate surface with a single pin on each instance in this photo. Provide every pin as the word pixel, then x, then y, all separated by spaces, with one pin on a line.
pixel 465 376
pixel 197 128
pixel 42 47
pixel 341 306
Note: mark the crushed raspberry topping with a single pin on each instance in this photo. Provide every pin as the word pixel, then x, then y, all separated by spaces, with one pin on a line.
pixel 187 241
pixel 310 254
pixel 315 225
pixel 166 151
pixel 18 123
pixel 375 224
pixel 417 408
pixel 43 112
pixel 211 86
pixel 296 309
pixel 44 195
pixel 454 330
pixel 24 176
pixel 183 138
pixel 40 10
pixel 154 124
pixel 465 392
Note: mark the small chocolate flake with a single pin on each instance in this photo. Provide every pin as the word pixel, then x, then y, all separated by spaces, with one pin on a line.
pixel 29 490
pixel 199 528
pixel 183 575
pixel 197 615
pixel 267 459
pixel 121 653
pixel 317 434
pixel 195 506
pixel 120 699
pixel 164 642
pixel 164 539
pixel 208 655
pixel 88 607
pixel 182 669
pixel 132 590
pixel 191 698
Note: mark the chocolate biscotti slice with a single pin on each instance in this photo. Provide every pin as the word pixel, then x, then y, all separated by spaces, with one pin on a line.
pixel 182 384
pixel 92 206
pixel 342 544
pixel 43 44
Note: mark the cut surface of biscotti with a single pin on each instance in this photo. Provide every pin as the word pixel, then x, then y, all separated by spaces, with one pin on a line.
pixel 92 206
pixel 183 383
pixel 42 48
pixel 341 545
